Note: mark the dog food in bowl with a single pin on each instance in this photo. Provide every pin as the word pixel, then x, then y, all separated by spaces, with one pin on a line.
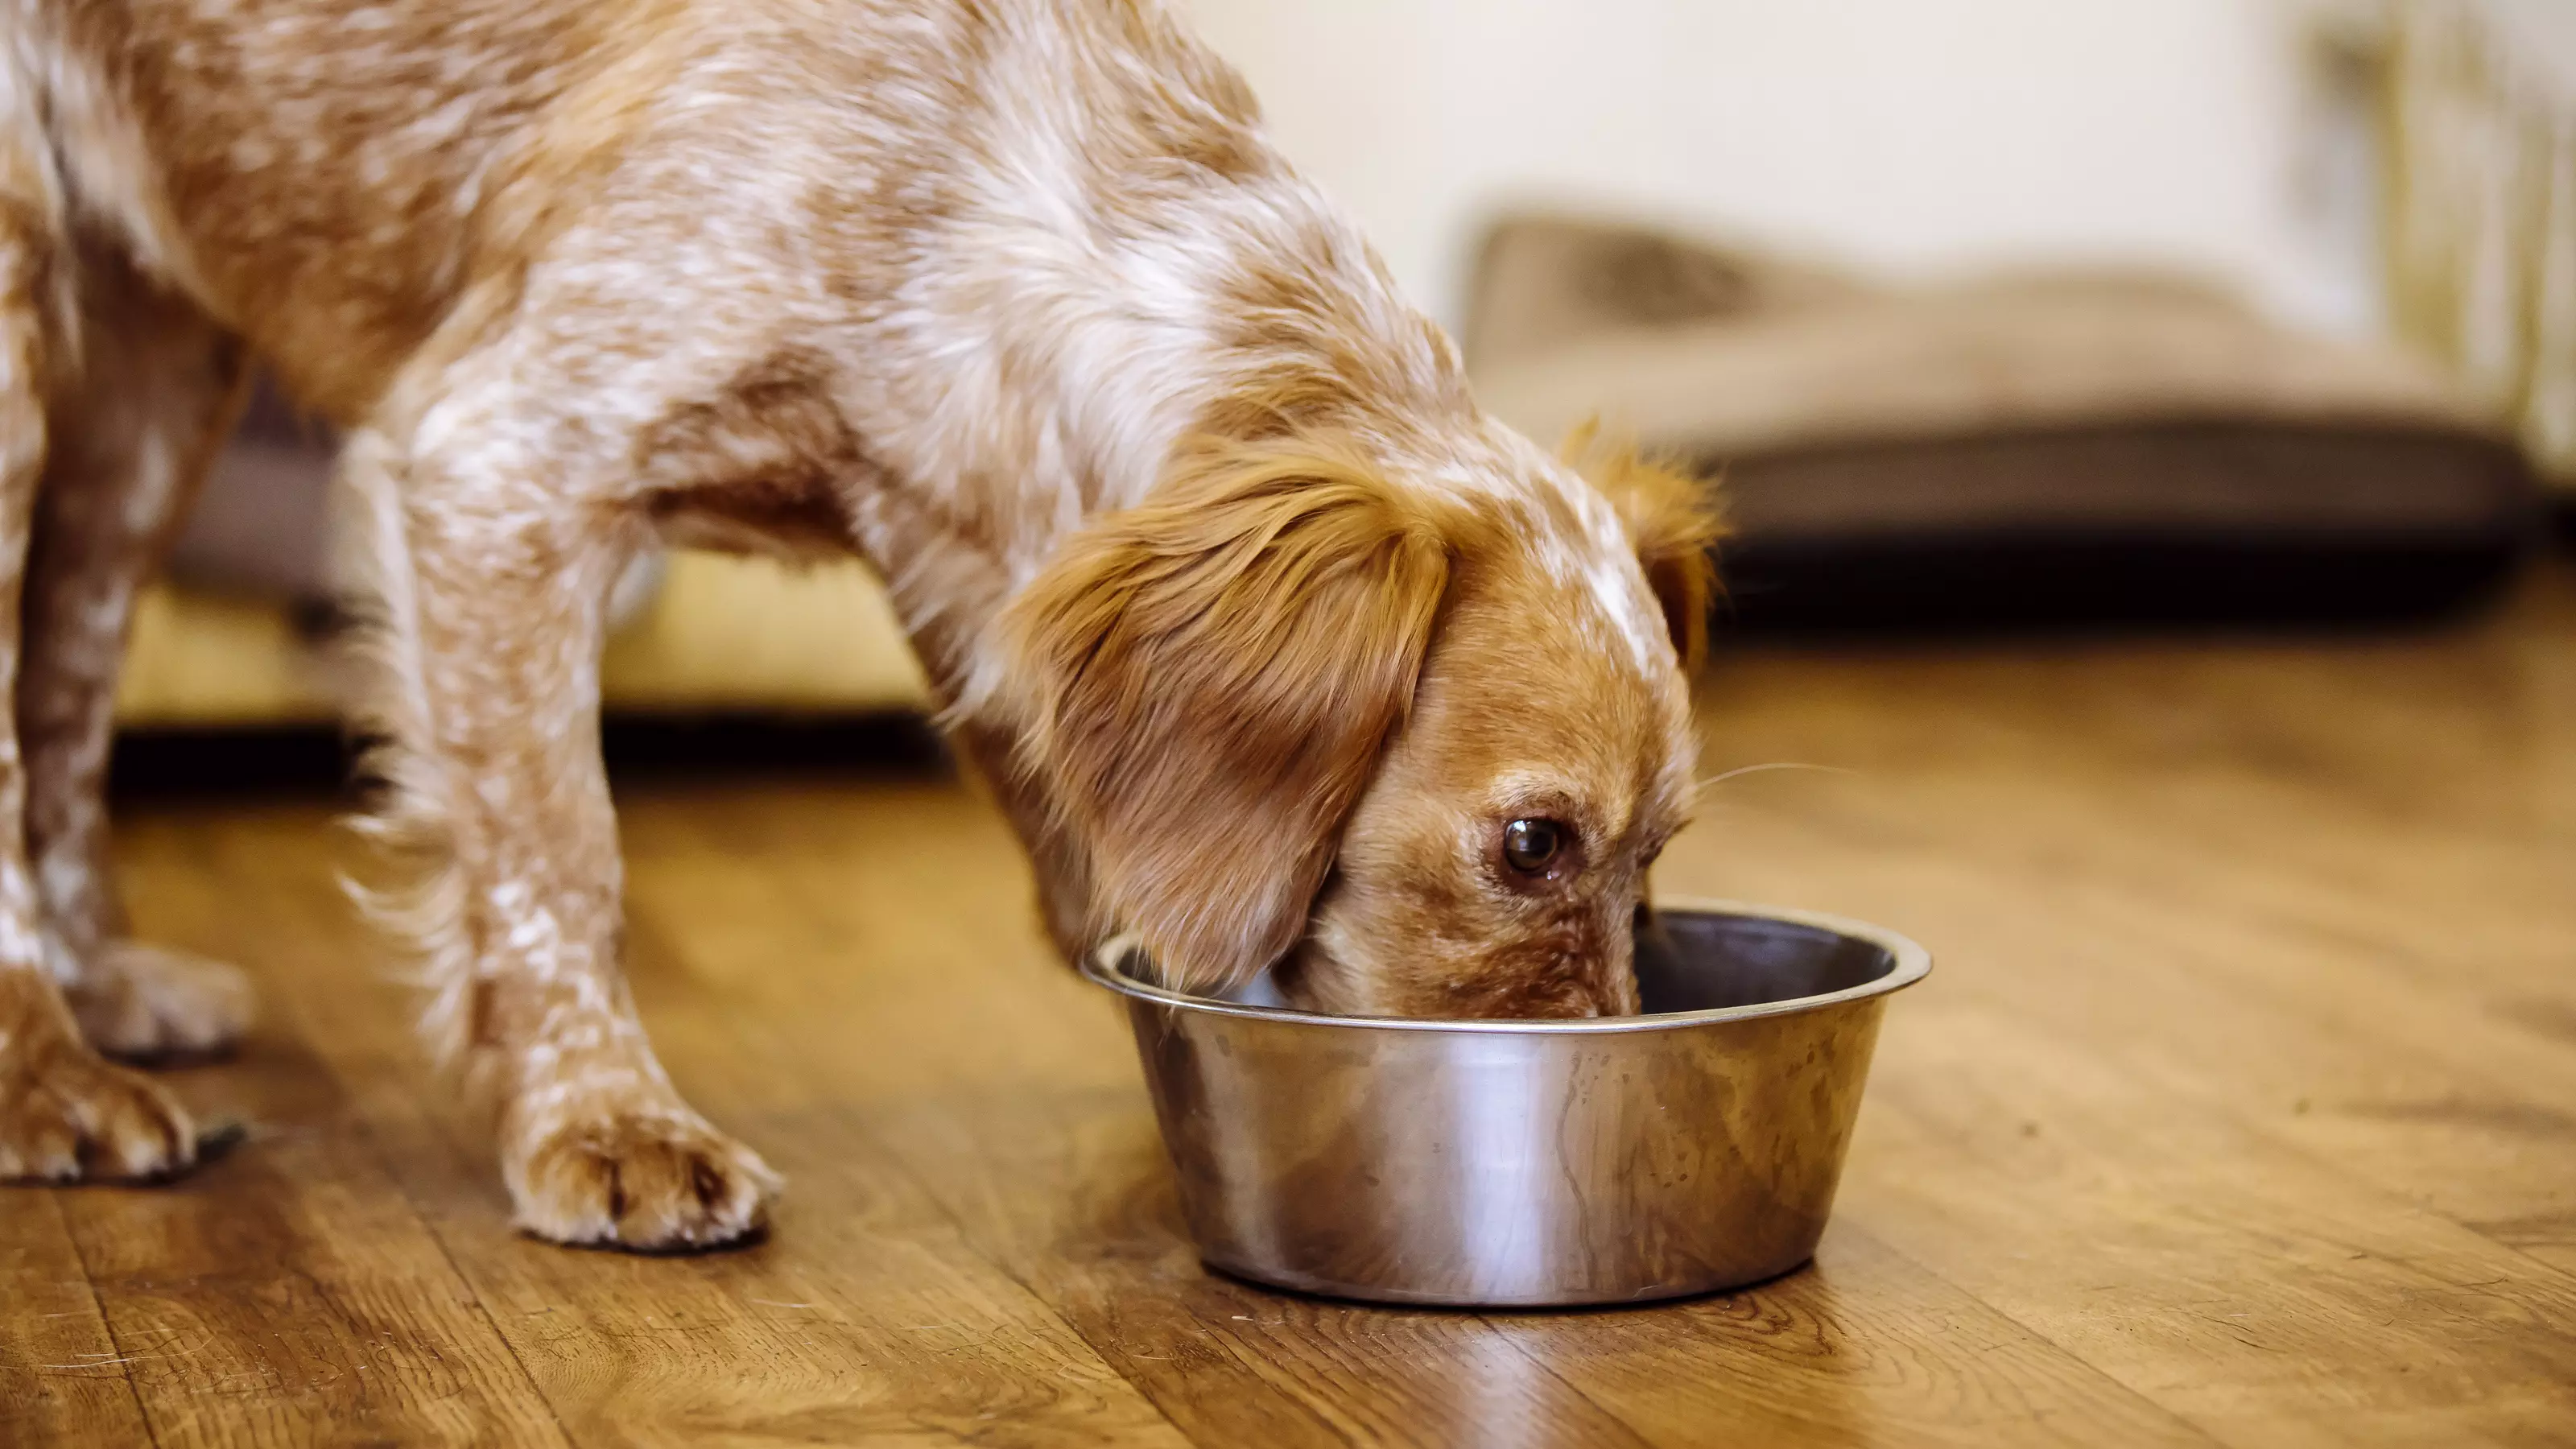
pixel 1528 1163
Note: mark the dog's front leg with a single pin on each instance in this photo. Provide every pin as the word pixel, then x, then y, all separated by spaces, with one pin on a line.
pixel 497 578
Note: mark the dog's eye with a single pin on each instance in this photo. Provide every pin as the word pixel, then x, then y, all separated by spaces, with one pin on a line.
pixel 1528 845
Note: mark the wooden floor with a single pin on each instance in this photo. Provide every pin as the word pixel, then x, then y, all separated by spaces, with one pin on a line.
pixel 2241 1109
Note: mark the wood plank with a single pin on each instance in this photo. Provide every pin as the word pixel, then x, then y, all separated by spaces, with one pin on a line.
pixel 864 1319
pixel 62 1379
pixel 286 1293
pixel 902 910
pixel 1863 1347
pixel 2267 1298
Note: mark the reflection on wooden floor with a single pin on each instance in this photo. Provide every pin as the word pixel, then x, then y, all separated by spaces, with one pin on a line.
pixel 2242 1108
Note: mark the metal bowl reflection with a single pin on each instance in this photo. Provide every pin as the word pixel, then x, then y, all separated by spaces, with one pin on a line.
pixel 1529 1163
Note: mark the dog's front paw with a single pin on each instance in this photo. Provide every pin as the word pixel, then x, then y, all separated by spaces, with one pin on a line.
pixel 67 1114
pixel 653 1180
pixel 140 1002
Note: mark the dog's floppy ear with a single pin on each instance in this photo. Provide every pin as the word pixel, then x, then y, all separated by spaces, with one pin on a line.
pixel 1672 519
pixel 1204 683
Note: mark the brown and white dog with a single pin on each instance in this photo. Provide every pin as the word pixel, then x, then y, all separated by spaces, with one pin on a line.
pixel 1272 644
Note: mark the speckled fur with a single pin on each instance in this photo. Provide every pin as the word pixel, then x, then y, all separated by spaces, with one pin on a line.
pixel 1183 507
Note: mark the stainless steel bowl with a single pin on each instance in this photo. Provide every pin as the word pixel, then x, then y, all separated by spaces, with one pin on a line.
pixel 1528 1163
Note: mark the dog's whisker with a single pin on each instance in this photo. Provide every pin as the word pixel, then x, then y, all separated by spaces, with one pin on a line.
pixel 1713 781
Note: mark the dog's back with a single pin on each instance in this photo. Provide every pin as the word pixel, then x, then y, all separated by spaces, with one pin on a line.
pixel 315 174
pixel 325 177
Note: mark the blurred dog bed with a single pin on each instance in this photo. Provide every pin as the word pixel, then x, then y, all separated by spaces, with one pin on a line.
pixel 2067 448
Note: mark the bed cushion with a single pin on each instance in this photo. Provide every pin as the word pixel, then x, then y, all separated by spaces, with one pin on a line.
pixel 2047 448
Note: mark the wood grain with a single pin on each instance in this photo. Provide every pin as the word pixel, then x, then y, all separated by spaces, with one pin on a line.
pixel 885 1329
pixel 61 1377
pixel 289 1292
pixel 2241 1109
pixel 1864 1346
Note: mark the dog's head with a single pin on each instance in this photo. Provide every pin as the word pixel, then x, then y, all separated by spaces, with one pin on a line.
pixel 1421 742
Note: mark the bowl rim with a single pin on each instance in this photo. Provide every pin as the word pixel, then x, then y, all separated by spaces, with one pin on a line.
pixel 1913 963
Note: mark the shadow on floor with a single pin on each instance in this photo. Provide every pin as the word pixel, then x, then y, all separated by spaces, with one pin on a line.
pixel 310 762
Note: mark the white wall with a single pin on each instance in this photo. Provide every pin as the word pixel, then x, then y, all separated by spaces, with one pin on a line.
pixel 1914 136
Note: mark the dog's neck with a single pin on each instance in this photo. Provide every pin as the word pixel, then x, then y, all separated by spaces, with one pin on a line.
pixel 1245 311
pixel 1241 307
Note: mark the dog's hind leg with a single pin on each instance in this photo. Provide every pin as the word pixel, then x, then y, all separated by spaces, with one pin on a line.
pixel 65 1111
pixel 131 436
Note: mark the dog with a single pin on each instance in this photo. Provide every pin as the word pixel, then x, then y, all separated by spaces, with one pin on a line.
pixel 1274 648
